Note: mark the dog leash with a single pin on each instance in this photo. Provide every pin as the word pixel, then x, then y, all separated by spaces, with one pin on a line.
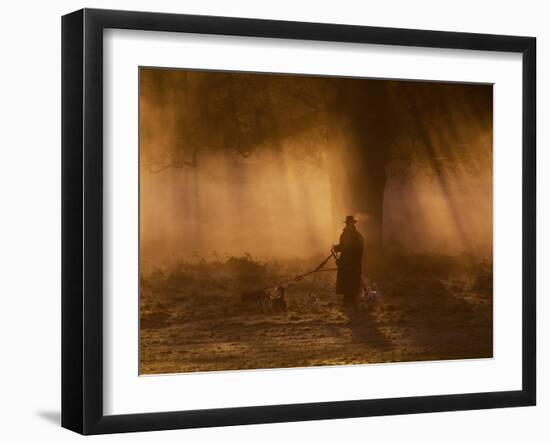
pixel 298 277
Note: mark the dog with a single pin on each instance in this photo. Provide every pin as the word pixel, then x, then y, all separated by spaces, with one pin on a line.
pixel 313 300
pixel 266 300
pixel 261 298
pixel 370 294
pixel 278 303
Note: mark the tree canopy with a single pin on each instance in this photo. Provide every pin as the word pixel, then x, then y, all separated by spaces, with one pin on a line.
pixel 423 125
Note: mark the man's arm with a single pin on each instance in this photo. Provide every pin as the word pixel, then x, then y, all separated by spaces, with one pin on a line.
pixel 338 247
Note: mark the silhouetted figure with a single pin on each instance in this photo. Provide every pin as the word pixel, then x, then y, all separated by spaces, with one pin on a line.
pixel 348 280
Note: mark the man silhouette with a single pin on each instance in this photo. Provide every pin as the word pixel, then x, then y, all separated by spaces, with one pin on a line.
pixel 350 248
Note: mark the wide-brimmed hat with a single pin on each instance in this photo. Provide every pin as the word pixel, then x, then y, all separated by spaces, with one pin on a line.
pixel 350 219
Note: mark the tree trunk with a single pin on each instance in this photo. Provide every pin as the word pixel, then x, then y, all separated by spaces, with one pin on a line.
pixel 360 192
pixel 370 207
pixel 359 144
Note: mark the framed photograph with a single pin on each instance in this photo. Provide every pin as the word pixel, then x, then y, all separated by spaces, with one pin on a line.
pixel 268 221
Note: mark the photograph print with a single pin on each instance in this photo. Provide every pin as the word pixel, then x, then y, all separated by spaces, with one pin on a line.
pixel 291 221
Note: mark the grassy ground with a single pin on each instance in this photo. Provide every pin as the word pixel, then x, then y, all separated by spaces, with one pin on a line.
pixel 430 308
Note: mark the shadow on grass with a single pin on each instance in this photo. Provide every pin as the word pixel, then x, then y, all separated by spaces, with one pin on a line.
pixel 364 329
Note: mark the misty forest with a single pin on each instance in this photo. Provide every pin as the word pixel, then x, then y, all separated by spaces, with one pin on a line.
pixel 245 181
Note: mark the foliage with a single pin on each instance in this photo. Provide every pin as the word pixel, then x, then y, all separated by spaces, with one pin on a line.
pixel 424 125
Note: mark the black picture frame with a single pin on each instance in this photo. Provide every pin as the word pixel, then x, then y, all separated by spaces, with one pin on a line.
pixel 82 219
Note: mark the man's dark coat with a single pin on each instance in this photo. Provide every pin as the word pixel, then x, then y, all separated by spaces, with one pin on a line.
pixel 348 279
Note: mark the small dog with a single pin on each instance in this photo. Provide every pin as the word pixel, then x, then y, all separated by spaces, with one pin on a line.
pixel 278 303
pixel 370 293
pixel 266 300
pixel 260 298
pixel 313 301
